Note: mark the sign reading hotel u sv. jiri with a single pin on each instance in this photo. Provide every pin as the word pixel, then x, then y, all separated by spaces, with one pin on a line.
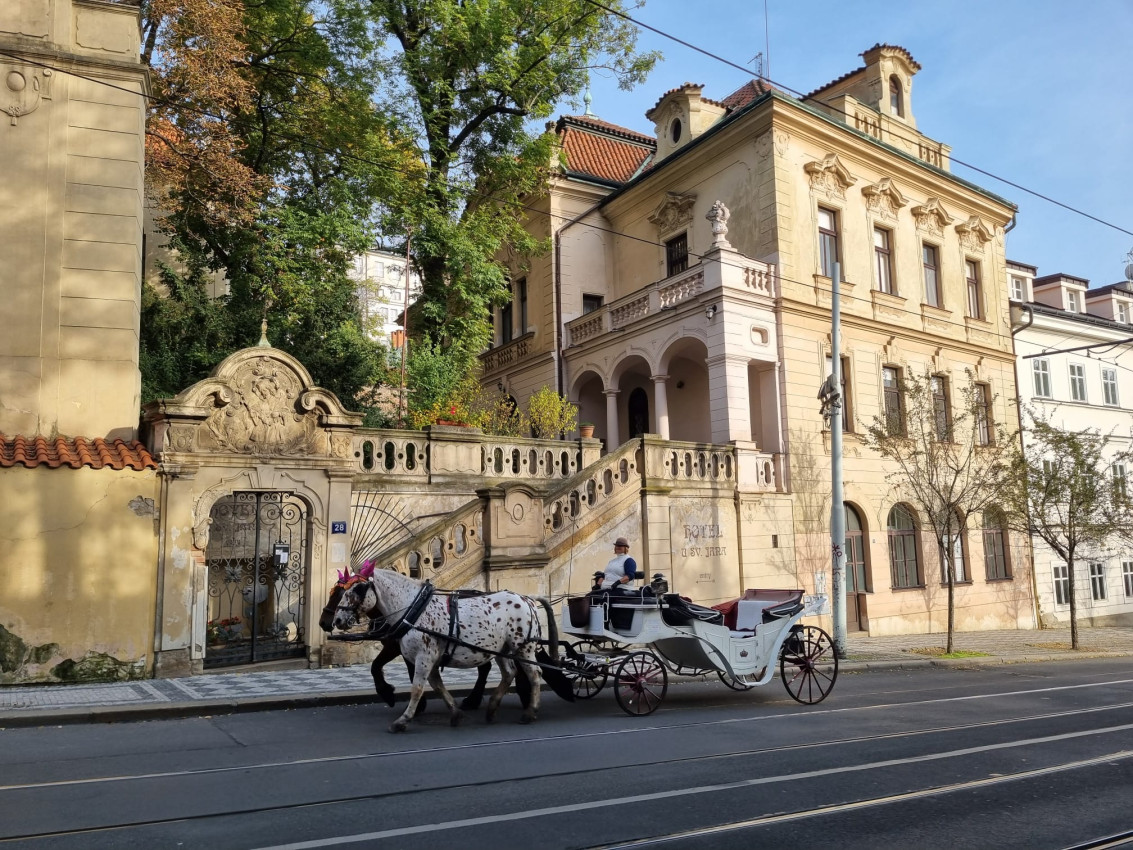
pixel 705 551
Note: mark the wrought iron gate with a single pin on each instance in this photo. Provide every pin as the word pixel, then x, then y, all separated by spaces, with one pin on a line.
pixel 256 577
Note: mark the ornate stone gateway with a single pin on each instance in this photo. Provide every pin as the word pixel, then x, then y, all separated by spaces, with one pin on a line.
pixel 256 578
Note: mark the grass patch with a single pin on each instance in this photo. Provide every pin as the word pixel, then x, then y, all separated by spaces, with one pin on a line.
pixel 1062 645
pixel 938 652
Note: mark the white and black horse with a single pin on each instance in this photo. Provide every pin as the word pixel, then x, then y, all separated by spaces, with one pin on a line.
pixel 503 625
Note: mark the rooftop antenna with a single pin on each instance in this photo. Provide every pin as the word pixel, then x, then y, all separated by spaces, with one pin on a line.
pixel 1129 267
pixel 766 40
pixel 758 60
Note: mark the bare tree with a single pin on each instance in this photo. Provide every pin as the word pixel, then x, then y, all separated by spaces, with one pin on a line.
pixel 952 461
pixel 1062 490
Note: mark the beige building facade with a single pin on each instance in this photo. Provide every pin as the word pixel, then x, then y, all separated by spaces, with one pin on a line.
pixel 688 293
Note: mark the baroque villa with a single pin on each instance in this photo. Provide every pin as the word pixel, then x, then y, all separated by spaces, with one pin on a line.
pixel 687 295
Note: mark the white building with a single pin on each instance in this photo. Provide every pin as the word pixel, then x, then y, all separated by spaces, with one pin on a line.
pixel 1090 387
pixel 381 293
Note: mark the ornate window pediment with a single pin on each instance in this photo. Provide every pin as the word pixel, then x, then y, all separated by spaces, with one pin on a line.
pixel 974 234
pixel 931 217
pixel 883 198
pixel 674 212
pixel 829 176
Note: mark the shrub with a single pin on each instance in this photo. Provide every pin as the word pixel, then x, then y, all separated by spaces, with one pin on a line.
pixel 550 415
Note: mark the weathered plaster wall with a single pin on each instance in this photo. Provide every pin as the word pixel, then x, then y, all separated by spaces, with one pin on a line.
pixel 77 580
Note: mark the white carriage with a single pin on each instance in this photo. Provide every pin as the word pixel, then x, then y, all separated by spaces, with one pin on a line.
pixel 640 638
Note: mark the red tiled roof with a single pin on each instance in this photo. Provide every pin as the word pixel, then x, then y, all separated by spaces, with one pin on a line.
pixel 75 452
pixel 745 94
pixel 595 148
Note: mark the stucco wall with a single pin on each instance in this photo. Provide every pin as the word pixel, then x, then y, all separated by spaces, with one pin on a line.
pixel 78 551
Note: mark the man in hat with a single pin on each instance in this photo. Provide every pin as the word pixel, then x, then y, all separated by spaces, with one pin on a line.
pixel 622 569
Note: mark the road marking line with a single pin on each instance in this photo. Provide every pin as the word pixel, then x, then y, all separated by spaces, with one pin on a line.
pixel 685 792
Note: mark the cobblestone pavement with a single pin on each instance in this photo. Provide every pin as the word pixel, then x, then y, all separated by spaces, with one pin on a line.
pixel 245 691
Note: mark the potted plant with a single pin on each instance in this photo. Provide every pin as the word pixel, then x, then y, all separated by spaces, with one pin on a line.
pixel 586 430
pixel 224 631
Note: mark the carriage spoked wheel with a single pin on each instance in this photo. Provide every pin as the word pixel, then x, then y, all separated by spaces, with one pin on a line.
pixel 587 678
pixel 808 664
pixel 640 683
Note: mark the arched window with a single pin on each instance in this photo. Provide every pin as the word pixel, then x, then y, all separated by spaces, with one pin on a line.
pixel 903 563
pixel 896 97
pixel 954 543
pixel 996 564
pixel 638 410
pixel 857 579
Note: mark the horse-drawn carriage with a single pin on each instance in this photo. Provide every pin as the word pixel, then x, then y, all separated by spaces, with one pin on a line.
pixel 639 638
pixel 636 638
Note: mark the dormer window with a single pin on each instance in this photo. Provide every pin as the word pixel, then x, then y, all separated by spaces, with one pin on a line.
pixel 675 130
pixel 1122 312
pixel 896 98
pixel 1016 288
pixel 1072 301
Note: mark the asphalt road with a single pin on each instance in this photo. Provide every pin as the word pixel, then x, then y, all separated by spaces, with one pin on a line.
pixel 1016 756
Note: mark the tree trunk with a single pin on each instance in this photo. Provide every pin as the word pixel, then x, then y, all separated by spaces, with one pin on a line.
pixel 951 572
pixel 1073 601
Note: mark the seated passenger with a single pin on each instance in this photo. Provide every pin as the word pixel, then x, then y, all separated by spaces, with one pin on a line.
pixel 622 569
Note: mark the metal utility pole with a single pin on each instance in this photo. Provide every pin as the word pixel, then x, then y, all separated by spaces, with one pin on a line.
pixel 831 396
pixel 404 339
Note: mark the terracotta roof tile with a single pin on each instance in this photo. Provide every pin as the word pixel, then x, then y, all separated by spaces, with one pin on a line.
pixel 607 152
pixel 75 452
pixel 745 94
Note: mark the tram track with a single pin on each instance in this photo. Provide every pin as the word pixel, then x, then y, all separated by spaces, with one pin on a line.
pixel 125 827
pixel 577 737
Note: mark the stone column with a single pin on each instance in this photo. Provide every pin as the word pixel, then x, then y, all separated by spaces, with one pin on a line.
pixel 661 402
pixel 728 397
pixel 613 440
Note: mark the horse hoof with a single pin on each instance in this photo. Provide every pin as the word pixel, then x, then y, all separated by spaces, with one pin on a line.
pixel 386 694
pixel 470 703
pixel 456 718
pixel 398 726
pixel 525 719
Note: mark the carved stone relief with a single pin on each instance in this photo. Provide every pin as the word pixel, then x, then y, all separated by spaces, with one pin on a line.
pixel 883 198
pixel 931 217
pixel 829 177
pixel 23 88
pixel 782 142
pixel 674 212
pixel 974 234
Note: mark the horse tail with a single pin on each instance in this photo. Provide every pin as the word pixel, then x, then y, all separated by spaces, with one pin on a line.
pixel 552 627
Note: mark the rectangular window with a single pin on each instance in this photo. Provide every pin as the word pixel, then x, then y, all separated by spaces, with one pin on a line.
pixel 954 541
pixel 827 241
pixel 883 259
pixel 522 287
pixel 590 303
pixel 931 259
pixel 843 377
pixel 942 419
pixel 506 324
pixel 1061 585
pixel 995 554
pixel 975 296
pixel 1097 581
pixel 1127 578
pixel 1040 371
pixel 1017 288
pixel 676 254
pixel 1117 473
pixel 1077 382
pixel 1122 312
pixel 893 394
pixel 1072 301
pixel 1109 386
pixel 982 402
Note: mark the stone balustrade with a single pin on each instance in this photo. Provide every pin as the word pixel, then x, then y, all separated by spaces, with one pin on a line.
pixel 507 354
pixel 594 487
pixel 451 547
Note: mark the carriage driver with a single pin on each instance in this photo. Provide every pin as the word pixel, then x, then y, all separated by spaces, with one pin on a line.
pixel 622 569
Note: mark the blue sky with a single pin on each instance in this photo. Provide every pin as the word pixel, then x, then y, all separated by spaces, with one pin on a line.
pixel 1037 92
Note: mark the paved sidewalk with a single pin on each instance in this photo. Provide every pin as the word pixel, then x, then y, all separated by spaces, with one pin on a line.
pixel 224 693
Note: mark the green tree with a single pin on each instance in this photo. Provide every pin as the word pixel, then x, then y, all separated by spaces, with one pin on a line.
pixel 471 78
pixel 951 461
pixel 1064 494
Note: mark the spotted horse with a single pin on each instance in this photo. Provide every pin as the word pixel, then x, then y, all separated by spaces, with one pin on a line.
pixel 432 629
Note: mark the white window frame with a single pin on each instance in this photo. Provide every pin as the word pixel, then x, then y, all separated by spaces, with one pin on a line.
pixel 1061 584
pixel 1040 374
pixel 1097 581
pixel 1120 478
pixel 1072 300
pixel 1018 288
pixel 1077 382
pixel 1123 312
pixel 1127 578
pixel 1109 387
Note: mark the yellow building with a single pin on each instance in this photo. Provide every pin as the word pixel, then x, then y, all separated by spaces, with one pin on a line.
pixel 687 294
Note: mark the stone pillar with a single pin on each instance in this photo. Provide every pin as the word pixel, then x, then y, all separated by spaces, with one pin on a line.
pixel 661 402
pixel 728 397
pixel 613 440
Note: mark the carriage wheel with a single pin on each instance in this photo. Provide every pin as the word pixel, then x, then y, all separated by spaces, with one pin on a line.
pixel 742 682
pixel 640 683
pixel 808 664
pixel 587 678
